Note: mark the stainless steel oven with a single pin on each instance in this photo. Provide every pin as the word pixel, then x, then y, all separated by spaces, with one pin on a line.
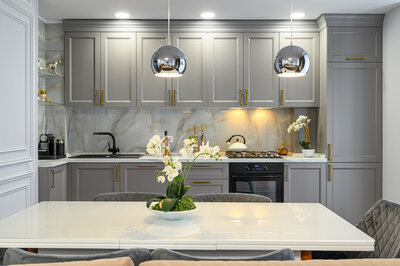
pixel 257 178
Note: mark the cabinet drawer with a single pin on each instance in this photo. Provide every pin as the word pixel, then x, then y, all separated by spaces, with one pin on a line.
pixel 355 44
pixel 209 171
pixel 200 186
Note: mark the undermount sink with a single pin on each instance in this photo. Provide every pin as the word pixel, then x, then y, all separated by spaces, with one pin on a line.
pixel 94 156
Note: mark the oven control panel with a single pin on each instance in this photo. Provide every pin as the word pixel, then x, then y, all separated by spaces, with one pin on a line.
pixel 256 167
pixel 238 168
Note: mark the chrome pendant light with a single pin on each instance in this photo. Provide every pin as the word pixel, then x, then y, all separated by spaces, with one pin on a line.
pixel 292 61
pixel 168 61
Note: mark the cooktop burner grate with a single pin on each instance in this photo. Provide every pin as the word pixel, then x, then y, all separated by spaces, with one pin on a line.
pixel 253 154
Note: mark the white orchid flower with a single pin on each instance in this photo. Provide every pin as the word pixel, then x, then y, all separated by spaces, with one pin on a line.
pixel 161 179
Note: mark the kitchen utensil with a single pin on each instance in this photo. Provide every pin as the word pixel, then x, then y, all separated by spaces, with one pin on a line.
pixel 237 145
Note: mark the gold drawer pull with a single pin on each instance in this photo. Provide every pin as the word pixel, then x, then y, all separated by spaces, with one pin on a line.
pixel 116 173
pixel 287 173
pixel 281 96
pixel 355 58
pixel 241 97
pixel 246 92
pixel 174 97
pixel 53 185
pixel 102 97
pixel 329 152
pixel 202 165
pixel 201 182
pixel 147 165
pixel 97 97
pixel 169 97
pixel 329 173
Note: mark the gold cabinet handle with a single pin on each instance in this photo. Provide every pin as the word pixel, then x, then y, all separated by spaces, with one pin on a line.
pixel 174 97
pixel 355 58
pixel 246 92
pixel 329 152
pixel 201 182
pixel 147 165
pixel 241 97
pixel 329 172
pixel 116 174
pixel 281 96
pixel 287 173
pixel 202 165
pixel 169 97
pixel 102 97
pixel 97 97
pixel 53 185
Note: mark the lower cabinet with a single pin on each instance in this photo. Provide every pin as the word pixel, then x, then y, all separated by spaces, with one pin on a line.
pixel 141 177
pixel 305 182
pixel 89 179
pixel 53 183
pixel 208 178
pixel 353 188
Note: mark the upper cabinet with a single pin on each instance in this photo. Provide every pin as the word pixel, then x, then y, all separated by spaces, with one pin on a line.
pixel 118 69
pixel 261 85
pixel 191 89
pixel 151 90
pixel 82 69
pixel 303 91
pixel 225 70
pixel 355 44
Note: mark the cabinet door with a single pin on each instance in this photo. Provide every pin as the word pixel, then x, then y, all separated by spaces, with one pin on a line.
pixel 53 183
pixel 141 177
pixel 191 89
pixel 353 188
pixel 82 69
pixel 118 69
pixel 305 182
pixel 302 91
pixel 207 186
pixel 90 179
pixel 226 69
pixel 152 90
pixel 261 86
pixel 355 112
pixel 361 44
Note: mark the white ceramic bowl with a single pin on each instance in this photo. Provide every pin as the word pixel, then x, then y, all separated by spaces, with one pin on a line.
pixel 308 152
pixel 174 215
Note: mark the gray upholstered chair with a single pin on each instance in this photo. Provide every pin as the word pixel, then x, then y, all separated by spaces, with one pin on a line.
pixel 2 251
pixel 230 197
pixel 19 256
pixel 382 223
pixel 165 254
pixel 125 196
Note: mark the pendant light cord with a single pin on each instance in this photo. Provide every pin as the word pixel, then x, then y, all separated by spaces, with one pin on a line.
pixel 291 22
pixel 169 22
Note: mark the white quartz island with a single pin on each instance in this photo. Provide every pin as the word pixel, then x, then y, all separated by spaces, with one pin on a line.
pixel 214 227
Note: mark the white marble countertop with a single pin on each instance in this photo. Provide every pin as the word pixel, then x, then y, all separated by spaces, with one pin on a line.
pixel 215 226
pixel 296 157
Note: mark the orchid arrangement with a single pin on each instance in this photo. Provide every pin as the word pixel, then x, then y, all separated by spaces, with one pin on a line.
pixel 175 174
pixel 302 122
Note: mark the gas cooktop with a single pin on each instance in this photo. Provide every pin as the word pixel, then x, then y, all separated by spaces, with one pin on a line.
pixel 253 154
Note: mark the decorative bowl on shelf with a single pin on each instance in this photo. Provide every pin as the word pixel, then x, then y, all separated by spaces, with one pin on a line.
pixel 173 215
pixel 308 152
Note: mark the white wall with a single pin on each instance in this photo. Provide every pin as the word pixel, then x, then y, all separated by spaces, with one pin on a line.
pixel 391 106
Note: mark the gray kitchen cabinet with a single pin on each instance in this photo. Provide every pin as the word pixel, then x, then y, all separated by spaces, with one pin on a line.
pixel 82 69
pixel 191 89
pixel 141 177
pixel 355 44
pixel 89 179
pixel 151 90
pixel 354 112
pixel 353 188
pixel 261 84
pixel 305 182
pixel 118 69
pixel 207 186
pixel 53 183
pixel 208 178
pixel 226 70
pixel 302 91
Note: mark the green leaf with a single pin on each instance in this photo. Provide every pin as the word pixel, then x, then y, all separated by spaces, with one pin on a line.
pixel 185 189
pixel 167 204
pixel 156 199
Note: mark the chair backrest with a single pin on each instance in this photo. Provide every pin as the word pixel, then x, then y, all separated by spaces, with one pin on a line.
pixel 125 196
pixel 230 197
pixel 382 223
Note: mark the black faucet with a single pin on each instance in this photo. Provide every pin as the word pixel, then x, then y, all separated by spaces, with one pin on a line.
pixel 114 148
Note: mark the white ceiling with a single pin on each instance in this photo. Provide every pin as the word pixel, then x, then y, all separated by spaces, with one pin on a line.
pixel 191 9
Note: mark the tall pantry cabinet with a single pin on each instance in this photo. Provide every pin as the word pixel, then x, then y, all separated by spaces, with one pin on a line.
pixel 350 116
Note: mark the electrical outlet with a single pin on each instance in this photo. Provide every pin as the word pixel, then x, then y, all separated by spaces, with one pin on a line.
pixel 171 139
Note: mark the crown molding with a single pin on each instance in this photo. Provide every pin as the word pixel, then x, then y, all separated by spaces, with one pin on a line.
pixel 190 25
pixel 350 20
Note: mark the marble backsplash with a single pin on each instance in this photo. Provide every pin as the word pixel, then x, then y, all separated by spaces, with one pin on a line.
pixel 264 129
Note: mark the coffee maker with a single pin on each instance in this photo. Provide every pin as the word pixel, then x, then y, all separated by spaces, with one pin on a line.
pixel 47 148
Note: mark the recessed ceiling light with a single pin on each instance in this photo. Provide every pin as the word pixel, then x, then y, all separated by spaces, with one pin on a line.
pixel 207 15
pixel 297 15
pixel 122 15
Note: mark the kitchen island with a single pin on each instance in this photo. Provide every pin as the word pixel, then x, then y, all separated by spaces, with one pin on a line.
pixel 215 229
